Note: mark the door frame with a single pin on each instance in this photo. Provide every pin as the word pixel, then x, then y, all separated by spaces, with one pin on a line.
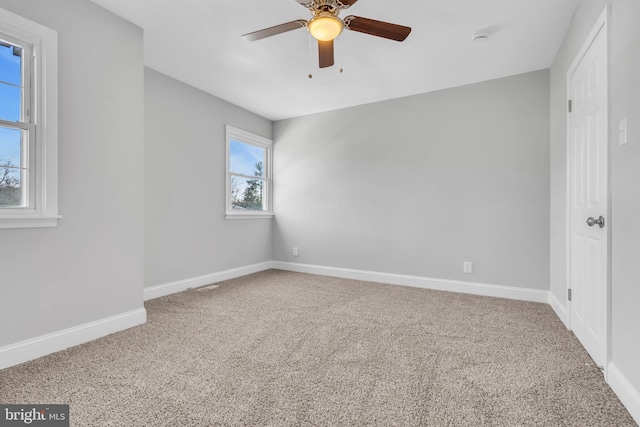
pixel 601 24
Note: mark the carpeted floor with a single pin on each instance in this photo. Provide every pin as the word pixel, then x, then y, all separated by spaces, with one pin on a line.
pixel 287 349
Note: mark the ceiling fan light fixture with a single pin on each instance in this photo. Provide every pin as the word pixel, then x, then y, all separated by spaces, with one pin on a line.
pixel 325 26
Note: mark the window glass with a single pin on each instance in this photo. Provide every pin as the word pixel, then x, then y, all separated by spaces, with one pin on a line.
pixel 10 63
pixel 10 82
pixel 246 159
pixel 12 174
pixel 10 104
pixel 10 146
pixel 247 194
pixel 11 188
pixel 248 181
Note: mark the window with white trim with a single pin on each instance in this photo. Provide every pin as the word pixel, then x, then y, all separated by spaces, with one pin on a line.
pixel 248 175
pixel 28 123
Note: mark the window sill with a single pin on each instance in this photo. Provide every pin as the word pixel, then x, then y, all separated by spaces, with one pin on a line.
pixel 29 221
pixel 253 215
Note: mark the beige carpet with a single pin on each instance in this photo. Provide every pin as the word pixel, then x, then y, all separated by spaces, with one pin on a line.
pixel 287 349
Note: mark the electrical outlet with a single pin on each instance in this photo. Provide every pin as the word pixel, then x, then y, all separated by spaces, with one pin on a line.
pixel 467 267
pixel 295 251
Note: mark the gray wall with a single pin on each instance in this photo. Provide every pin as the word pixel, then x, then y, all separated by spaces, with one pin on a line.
pixel 91 266
pixel 418 185
pixel 186 234
pixel 624 99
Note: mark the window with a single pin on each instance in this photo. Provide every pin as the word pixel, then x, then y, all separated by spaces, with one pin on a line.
pixel 28 123
pixel 248 175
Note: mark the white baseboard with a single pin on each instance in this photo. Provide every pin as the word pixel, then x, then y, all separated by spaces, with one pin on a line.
pixel 30 349
pixel 484 289
pixel 157 291
pixel 559 308
pixel 626 392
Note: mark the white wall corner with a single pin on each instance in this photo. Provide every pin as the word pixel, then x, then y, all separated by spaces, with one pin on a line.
pixel 626 392
pixel 158 291
pixel 483 289
pixel 33 348
pixel 559 308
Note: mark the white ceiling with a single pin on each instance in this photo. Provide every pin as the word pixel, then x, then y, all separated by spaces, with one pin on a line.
pixel 198 42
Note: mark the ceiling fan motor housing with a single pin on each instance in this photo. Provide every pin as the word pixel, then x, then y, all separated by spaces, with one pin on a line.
pixel 332 6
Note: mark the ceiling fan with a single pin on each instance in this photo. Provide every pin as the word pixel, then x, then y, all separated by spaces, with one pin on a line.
pixel 325 26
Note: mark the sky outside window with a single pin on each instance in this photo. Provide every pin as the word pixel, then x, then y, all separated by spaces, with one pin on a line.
pixel 244 157
pixel 10 104
pixel 10 83
pixel 9 65
pixel 10 146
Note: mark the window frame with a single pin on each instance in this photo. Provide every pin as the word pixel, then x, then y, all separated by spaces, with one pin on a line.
pixel 41 125
pixel 233 133
pixel 24 124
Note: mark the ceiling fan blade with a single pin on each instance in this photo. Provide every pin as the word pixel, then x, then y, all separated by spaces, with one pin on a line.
pixel 347 3
pixel 272 31
pixel 377 28
pixel 325 51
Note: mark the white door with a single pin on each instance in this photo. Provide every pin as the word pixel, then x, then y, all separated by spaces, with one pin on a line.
pixel 588 203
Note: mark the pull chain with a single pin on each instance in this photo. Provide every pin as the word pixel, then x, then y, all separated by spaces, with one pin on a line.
pixel 338 49
pixel 311 51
